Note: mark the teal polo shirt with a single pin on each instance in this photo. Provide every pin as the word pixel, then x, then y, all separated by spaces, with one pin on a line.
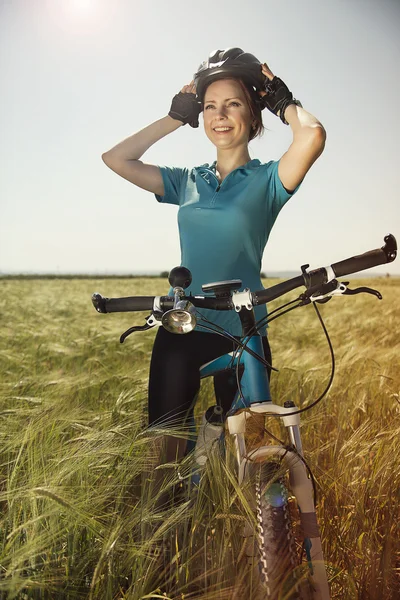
pixel 224 228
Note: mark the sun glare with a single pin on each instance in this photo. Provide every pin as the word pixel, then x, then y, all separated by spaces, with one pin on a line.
pixel 81 6
pixel 79 17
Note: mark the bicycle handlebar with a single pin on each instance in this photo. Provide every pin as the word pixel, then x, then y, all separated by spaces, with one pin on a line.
pixel 129 304
pixel 310 279
pixel 380 256
pixel 320 276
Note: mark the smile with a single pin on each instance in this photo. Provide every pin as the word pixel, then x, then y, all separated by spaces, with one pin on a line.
pixel 222 129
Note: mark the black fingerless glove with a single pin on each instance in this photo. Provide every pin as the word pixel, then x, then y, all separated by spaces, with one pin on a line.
pixel 278 97
pixel 186 107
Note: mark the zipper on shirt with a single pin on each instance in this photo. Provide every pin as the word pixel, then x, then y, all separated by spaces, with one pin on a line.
pixel 212 201
pixel 219 185
pixel 217 189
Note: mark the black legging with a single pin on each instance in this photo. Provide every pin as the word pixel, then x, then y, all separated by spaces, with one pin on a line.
pixel 175 377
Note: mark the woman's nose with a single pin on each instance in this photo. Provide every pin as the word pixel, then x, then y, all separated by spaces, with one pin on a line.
pixel 220 112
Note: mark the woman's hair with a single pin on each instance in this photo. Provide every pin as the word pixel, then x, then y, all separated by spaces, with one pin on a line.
pixel 255 110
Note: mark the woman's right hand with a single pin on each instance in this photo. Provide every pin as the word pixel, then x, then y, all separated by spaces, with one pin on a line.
pixel 189 89
pixel 186 107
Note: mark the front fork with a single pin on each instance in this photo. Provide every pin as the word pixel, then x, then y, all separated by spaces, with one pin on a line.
pixel 300 482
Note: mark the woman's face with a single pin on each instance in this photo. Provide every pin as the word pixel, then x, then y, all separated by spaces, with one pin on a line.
pixel 227 118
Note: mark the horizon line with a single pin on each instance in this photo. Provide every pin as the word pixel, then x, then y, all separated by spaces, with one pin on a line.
pixel 162 274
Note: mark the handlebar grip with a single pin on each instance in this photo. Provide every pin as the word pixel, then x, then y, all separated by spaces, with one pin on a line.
pixel 264 296
pixel 370 259
pixel 129 304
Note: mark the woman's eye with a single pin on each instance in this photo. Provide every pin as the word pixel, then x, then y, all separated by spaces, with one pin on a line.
pixel 230 104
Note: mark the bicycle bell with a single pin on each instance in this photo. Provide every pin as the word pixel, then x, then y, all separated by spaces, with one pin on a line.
pixel 181 318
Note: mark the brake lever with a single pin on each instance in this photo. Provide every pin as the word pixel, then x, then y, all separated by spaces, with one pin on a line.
pixel 323 293
pixel 363 290
pixel 151 321
pixel 334 288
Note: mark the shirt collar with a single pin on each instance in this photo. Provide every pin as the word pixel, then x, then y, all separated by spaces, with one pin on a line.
pixel 249 166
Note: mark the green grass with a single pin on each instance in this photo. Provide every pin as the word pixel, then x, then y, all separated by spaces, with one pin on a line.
pixel 81 514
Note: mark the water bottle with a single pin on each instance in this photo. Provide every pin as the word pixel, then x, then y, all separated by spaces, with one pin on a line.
pixel 210 429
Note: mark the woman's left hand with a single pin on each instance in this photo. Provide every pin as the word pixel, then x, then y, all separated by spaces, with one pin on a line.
pixel 268 74
pixel 275 96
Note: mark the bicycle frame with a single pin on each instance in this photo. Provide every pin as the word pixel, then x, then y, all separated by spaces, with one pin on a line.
pixel 257 399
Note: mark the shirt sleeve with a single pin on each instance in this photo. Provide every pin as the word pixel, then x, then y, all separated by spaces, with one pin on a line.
pixel 174 179
pixel 277 195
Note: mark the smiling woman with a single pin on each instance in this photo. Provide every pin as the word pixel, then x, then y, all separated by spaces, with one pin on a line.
pixel 228 109
pixel 226 211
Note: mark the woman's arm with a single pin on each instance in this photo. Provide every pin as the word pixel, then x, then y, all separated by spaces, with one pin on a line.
pixel 307 145
pixel 124 157
pixel 308 137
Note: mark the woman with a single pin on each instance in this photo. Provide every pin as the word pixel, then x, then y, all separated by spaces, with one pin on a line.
pixel 226 210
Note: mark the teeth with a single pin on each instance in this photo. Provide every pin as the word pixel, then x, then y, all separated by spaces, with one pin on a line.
pixel 222 128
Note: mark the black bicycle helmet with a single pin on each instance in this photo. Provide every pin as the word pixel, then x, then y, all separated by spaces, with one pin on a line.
pixel 232 62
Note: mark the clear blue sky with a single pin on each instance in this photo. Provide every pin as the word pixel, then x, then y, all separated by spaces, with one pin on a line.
pixel 77 76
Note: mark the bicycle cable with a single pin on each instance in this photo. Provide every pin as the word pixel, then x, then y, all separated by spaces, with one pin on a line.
pixel 323 394
pixel 318 400
pixel 260 323
pixel 256 327
pixel 301 410
pixel 264 321
pixel 252 331
pixel 220 331
pixel 228 336
pixel 241 347
pixel 267 319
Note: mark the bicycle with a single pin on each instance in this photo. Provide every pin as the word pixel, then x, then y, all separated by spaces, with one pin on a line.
pixel 272 472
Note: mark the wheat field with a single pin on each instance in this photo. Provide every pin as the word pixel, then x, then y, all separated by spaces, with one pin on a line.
pixel 80 517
